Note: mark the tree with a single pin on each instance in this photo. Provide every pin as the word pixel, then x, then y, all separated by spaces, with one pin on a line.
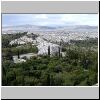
pixel 9 54
pixel 59 51
pixel 49 51
pixel 18 54
pixel 58 80
pixel 58 69
pixel 10 77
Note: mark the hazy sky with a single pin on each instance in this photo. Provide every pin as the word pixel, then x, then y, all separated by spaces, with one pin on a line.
pixel 49 19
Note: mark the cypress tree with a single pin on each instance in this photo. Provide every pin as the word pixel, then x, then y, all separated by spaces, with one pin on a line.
pixel 18 54
pixel 59 51
pixel 49 51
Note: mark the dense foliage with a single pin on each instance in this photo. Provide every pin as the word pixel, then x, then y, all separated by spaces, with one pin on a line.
pixel 86 43
pixel 78 68
pixel 21 49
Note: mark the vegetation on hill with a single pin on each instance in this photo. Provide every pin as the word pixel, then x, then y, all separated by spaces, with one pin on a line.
pixel 22 49
pixel 76 68
pixel 86 43
pixel 79 67
pixel 6 38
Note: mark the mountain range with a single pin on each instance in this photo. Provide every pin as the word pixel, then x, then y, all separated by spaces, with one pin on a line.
pixel 74 28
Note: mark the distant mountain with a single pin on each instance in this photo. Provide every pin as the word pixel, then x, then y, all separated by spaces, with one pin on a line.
pixel 86 27
pixel 47 27
pixel 27 27
pixel 80 28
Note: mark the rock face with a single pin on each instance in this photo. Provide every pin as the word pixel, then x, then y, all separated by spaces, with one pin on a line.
pixel 42 44
pixel 43 40
pixel 43 47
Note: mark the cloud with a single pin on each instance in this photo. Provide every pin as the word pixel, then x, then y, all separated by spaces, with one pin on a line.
pixel 81 19
pixel 50 19
pixel 40 16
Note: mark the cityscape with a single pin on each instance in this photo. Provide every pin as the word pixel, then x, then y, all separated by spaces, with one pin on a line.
pixel 49 49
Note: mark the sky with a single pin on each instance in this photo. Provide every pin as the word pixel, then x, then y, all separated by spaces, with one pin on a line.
pixel 49 19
